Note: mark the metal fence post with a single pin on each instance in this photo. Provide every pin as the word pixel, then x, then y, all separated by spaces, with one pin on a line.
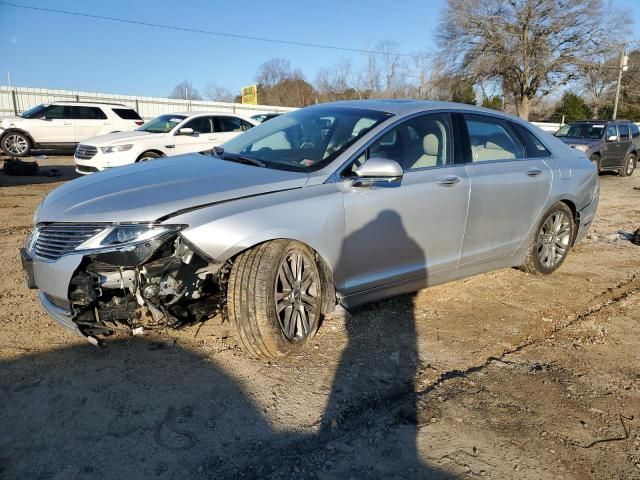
pixel 15 102
pixel 137 106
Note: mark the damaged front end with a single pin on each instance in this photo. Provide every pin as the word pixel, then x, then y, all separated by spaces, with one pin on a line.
pixel 135 278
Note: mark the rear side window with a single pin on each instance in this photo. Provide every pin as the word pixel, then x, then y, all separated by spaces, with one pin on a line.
pixel 231 124
pixel 624 131
pixel 635 131
pixel 88 113
pixel 533 147
pixel 127 113
pixel 492 140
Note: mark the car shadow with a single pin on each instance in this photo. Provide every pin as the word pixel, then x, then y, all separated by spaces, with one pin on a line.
pixel 143 408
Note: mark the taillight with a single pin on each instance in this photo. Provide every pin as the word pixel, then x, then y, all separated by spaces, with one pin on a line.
pixel 139 122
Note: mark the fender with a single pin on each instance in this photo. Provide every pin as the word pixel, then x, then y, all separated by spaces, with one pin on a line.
pixel 23 132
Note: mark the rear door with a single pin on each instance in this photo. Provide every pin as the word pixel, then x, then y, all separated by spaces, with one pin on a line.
pixel 510 184
pixel 227 127
pixel 55 126
pixel 624 143
pixel 90 121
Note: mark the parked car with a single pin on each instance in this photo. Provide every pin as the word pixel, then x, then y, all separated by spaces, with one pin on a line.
pixel 61 125
pixel 164 136
pixel 263 117
pixel 611 145
pixel 361 200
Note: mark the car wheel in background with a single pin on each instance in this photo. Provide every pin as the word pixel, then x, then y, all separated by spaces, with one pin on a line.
pixel 629 166
pixel 595 159
pixel 148 156
pixel 15 144
pixel 551 241
pixel 274 297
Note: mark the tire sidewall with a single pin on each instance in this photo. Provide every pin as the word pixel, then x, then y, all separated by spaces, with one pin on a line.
pixel 147 156
pixel 533 252
pixel 630 162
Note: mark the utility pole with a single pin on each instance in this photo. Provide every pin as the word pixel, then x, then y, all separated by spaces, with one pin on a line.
pixel 624 61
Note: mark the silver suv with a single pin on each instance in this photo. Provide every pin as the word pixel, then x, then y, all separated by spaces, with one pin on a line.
pixel 62 125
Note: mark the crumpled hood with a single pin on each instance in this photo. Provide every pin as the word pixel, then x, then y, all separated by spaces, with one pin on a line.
pixel 119 138
pixel 145 192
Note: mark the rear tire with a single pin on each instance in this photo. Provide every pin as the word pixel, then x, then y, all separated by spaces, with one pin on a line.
pixel 148 156
pixel 628 166
pixel 275 297
pixel 595 159
pixel 551 241
pixel 15 144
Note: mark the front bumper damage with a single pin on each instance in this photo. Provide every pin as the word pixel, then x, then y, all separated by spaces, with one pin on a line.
pixel 161 283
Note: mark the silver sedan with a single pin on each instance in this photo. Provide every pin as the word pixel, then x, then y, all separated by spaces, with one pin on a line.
pixel 332 205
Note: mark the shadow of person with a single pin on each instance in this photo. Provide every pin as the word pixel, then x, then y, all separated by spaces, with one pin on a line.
pixel 374 381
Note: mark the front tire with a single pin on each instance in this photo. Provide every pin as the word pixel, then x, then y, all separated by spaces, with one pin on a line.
pixel 146 156
pixel 629 166
pixel 274 298
pixel 551 241
pixel 16 144
pixel 595 159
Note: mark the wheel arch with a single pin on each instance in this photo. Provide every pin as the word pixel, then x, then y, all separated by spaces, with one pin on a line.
pixel 576 217
pixel 154 150
pixel 19 130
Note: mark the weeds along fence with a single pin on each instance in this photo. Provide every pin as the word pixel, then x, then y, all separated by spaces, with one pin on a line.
pixel 14 100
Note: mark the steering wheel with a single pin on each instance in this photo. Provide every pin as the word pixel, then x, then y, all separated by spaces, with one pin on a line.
pixel 306 145
pixel 265 149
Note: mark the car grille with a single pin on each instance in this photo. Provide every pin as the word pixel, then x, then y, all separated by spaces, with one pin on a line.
pixel 86 152
pixel 57 239
pixel 85 169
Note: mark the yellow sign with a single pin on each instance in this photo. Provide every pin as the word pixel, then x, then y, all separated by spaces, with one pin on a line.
pixel 250 94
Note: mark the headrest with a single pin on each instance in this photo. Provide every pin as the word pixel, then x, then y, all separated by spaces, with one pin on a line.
pixel 430 144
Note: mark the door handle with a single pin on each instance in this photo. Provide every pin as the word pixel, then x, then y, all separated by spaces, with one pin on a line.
pixel 533 172
pixel 67 123
pixel 448 180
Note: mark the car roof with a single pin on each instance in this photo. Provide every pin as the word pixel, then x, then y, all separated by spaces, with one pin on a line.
pixel 65 102
pixel 191 114
pixel 407 107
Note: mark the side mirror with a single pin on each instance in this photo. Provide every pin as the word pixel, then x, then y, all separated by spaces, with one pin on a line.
pixel 612 138
pixel 186 131
pixel 377 170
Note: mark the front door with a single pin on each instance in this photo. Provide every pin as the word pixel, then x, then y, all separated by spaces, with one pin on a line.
pixel 510 185
pixel 395 233
pixel 198 140
pixel 55 126
pixel 610 148
pixel 624 144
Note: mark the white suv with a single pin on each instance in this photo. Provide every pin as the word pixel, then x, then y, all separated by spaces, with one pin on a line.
pixel 164 136
pixel 61 125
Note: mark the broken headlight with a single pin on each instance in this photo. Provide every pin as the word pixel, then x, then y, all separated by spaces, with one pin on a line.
pixel 122 235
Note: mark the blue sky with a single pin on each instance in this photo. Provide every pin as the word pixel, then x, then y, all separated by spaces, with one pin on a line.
pixel 42 49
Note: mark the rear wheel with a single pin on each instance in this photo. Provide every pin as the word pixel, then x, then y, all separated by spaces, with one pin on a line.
pixel 628 166
pixel 551 242
pixel 595 159
pixel 15 144
pixel 274 297
pixel 148 156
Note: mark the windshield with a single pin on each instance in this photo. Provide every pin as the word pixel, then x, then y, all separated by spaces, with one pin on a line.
pixel 162 124
pixel 581 130
pixel 35 112
pixel 306 139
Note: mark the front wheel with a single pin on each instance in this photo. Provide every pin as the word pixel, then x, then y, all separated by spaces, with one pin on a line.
pixel 274 298
pixel 15 144
pixel 551 241
pixel 629 166
pixel 595 159
pixel 146 156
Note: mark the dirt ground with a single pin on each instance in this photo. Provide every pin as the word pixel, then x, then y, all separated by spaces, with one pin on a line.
pixel 504 375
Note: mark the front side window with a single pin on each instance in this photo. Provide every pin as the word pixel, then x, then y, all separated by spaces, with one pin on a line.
pixel 306 139
pixel 492 140
pixel 199 125
pixel 624 132
pixel 162 124
pixel 88 113
pixel 421 142
pixel 612 131
pixel 55 112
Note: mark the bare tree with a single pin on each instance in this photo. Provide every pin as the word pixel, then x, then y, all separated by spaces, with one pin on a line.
pixel 185 91
pixel 337 82
pixel 529 46
pixel 217 93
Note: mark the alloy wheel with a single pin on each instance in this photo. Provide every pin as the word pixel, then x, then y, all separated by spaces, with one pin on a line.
pixel 15 144
pixel 554 239
pixel 630 166
pixel 297 295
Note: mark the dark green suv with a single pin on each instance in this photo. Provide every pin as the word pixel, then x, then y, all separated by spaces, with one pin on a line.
pixel 610 144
